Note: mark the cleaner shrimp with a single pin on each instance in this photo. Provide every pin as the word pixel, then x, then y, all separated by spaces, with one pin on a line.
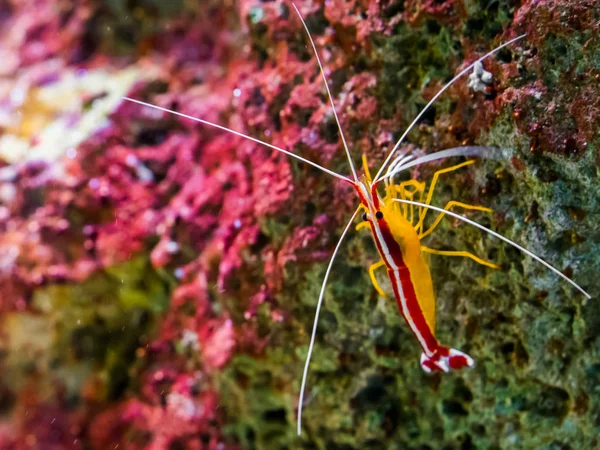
pixel 397 228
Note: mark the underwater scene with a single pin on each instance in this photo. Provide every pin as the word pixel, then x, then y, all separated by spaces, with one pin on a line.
pixel 319 224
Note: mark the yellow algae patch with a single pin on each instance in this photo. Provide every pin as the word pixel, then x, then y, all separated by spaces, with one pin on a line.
pixel 46 121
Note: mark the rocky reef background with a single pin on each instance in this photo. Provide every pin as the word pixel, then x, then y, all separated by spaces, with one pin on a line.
pixel 159 278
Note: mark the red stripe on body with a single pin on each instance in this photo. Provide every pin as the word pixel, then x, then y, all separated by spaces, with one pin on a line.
pixel 391 244
pixel 413 309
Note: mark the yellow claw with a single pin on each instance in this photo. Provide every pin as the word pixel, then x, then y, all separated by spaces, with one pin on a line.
pixel 372 270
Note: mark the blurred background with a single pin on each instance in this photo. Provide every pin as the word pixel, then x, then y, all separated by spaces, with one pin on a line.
pixel 158 278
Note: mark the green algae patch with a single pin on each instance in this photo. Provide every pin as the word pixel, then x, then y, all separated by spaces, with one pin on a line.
pixel 77 333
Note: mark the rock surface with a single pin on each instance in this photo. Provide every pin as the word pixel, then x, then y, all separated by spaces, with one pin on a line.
pixel 159 277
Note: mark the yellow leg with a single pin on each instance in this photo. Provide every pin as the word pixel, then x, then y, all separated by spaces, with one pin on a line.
pixel 362 225
pixel 400 189
pixel 395 190
pixel 432 187
pixel 418 185
pixel 419 188
pixel 448 206
pixel 372 270
pixel 460 253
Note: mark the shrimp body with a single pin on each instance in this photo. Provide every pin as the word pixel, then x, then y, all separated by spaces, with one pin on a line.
pixel 399 246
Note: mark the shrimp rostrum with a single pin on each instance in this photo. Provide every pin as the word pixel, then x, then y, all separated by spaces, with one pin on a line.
pixel 395 215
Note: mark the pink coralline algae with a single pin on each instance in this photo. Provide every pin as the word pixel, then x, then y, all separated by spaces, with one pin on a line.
pixel 197 194
pixel 187 412
pixel 38 31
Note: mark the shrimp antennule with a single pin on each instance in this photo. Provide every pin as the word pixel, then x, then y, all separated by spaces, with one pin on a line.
pixel 499 236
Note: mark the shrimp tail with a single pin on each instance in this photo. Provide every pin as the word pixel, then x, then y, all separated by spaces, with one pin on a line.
pixel 446 359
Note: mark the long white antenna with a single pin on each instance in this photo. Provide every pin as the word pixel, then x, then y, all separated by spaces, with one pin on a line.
pixel 499 236
pixel 245 136
pixel 328 93
pixel 435 97
pixel 316 321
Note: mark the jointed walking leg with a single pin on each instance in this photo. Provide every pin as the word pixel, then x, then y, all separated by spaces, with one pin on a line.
pixel 465 254
pixel 372 270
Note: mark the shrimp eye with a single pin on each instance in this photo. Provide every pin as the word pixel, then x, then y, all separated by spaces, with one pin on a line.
pixel 379 215
pixel 364 217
